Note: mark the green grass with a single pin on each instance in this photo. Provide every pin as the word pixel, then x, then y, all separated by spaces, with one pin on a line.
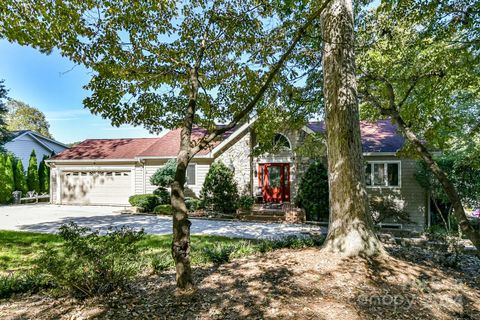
pixel 18 250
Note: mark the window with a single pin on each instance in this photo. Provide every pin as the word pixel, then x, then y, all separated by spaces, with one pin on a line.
pixel 383 174
pixel 280 141
pixel 191 174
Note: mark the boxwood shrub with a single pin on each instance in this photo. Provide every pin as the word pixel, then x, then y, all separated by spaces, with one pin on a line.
pixel 146 201
pixel 163 209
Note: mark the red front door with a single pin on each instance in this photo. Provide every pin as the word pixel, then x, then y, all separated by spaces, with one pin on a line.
pixel 274 178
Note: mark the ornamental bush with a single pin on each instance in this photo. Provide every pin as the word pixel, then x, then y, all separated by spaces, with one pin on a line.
pixel 33 182
pixel 246 202
pixel 146 201
pixel 163 194
pixel 44 176
pixel 9 179
pixel 193 204
pixel 91 264
pixel 163 209
pixel 19 177
pixel 165 176
pixel 219 191
pixel 313 192
pixel 3 189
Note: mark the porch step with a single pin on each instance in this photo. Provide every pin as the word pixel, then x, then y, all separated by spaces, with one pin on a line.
pixel 261 218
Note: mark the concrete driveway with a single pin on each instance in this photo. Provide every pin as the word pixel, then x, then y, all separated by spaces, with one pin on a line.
pixel 48 218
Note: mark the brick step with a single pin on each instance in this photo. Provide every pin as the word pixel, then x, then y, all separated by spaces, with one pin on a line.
pixel 262 218
pixel 262 213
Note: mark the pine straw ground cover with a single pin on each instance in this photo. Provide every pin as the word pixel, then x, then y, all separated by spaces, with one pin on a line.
pixel 286 284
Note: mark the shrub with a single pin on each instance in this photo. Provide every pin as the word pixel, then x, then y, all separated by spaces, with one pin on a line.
pixel 193 204
pixel 31 282
pixel 219 253
pixel 33 183
pixel 162 262
pixel 9 179
pixel 146 201
pixel 219 190
pixel 385 209
pixel 291 242
pixel 313 192
pixel 163 209
pixel 164 176
pixel 245 202
pixel 91 264
pixel 44 176
pixel 19 177
pixel 3 189
pixel 163 194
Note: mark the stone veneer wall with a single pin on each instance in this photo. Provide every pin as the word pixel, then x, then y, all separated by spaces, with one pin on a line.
pixel 238 155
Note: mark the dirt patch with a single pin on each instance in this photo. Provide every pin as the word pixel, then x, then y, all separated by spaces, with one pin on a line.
pixel 286 284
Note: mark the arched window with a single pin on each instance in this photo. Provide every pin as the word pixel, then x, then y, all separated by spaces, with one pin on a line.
pixel 280 141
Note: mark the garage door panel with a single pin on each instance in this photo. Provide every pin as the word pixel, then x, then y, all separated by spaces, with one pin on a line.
pixel 109 187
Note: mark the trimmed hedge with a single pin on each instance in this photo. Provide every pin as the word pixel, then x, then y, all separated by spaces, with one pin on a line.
pixel 163 209
pixel 146 201
pixel 163 194
pixel 245 202
pixel 193 204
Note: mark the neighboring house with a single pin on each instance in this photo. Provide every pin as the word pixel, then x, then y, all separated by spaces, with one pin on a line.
pixel 24 141
pixel 109 171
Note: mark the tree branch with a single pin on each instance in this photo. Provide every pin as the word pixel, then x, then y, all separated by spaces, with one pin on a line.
pixel 270 76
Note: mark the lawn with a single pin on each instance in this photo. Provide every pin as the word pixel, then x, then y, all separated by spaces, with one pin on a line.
pixel 18 250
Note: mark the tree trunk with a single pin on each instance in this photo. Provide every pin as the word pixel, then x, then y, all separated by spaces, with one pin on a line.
pixel 181 224
pixel 350 229
pixel 442 177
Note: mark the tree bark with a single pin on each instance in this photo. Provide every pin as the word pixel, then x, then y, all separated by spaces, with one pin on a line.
pixel 181 224
pixel 350 230
pixel 442 177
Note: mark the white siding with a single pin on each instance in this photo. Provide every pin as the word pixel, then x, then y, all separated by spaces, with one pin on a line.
pixel 22 148
pixel 151 166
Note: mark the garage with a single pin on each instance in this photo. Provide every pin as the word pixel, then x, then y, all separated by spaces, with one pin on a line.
pixel 96 187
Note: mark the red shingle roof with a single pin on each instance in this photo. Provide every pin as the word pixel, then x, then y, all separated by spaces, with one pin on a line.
pixel 166 146
pixel 380 136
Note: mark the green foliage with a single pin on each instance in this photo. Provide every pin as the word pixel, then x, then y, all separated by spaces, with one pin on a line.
pixel 193 204
pixel 163 194
pixel 4 134
pixel 24 117
pixel 28 282
pixel 19 177
pixel 33 183
pixel 384 209
pixel 165 175
pixel 313 192
pixel 3 189
pixel 44 176
pixel 146 201
pixel 245 202
pixel 162 262
pixel 464 175
pixel 91 264
pixel 163 209
pixel 290 242
pixel 219 191
pixel 219 253
pixel 9 178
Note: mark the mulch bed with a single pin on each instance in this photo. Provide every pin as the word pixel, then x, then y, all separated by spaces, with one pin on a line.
pixel 286 284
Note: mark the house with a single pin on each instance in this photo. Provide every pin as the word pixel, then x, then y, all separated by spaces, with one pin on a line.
pixel 24 141
pixel 109 171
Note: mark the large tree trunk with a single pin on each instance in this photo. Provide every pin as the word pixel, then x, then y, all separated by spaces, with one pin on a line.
pixel 442 177
pixel 350 230
pixel 181 224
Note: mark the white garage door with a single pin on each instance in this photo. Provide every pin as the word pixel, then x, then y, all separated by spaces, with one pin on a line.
pixel 96 187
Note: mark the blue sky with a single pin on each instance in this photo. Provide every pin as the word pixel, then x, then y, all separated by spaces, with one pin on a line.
pixel 53 84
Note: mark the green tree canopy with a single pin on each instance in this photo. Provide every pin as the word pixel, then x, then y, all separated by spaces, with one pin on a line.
pixel 33 183
pixel 165 176
pixel 21 116
pixel 4 134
